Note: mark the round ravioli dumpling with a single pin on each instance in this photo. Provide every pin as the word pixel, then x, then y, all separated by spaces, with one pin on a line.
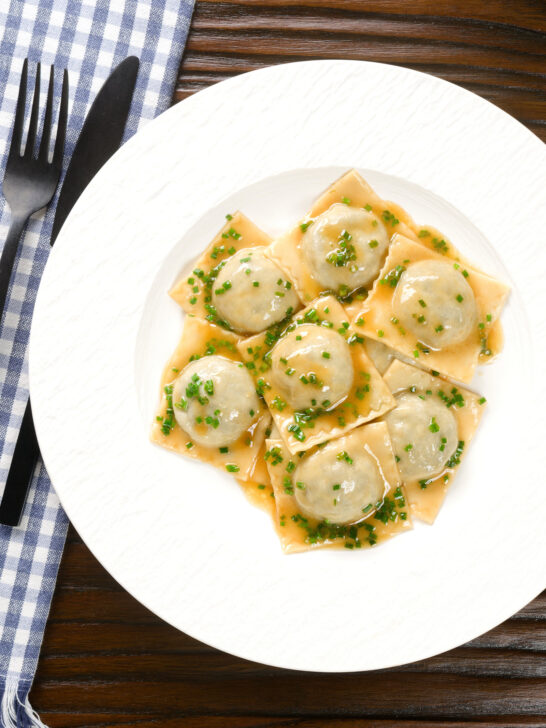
pixel 251 293
pixel 434 301
pixel 338 485
pixel 215 401
pixel 344 247
pixel 312 367
pixel 424 435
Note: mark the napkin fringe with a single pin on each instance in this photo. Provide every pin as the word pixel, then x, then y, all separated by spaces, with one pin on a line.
pixel 15 708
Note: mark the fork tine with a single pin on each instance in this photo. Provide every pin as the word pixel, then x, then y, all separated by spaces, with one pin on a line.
pixel 33 126
pixel 61 126
pixel 46 132
pixel 17 134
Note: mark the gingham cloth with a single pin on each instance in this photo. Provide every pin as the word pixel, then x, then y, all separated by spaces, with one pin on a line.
pixel 89 37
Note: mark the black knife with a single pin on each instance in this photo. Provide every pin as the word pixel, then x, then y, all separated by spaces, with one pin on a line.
pixel 99 138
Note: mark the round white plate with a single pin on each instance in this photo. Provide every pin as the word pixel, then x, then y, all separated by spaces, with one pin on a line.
pixel 180 536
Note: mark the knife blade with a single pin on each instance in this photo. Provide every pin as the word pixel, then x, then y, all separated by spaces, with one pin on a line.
pixel 99 138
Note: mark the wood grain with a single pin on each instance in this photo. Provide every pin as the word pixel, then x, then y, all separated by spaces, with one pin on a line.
pixel 106 660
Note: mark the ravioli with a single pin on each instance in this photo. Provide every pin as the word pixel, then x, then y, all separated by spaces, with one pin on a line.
pixel 315 376
pixel 209 408
pixel 251 294
pixel 434 310
pixel 340 245
pixel 215 400
pixel 380 354
pixel 430 429
pixel 258 489
pixel 346 493
pixel 219 289
pixel 312 363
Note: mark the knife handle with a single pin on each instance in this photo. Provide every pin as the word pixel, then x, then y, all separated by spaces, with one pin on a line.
pixel 21 471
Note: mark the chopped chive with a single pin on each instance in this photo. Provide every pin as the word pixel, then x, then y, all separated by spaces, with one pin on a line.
pixel 390 218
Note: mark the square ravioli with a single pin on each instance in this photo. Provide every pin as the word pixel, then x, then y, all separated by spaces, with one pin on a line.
pixel 234 285
pixel 345 493
pixel 437 311
pixel 341 244
pixel 209 408
pixel 315 376
pixel 430 429
pixel 257 488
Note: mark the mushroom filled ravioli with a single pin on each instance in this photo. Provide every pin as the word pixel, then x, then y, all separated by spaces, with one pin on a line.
pixel 322 368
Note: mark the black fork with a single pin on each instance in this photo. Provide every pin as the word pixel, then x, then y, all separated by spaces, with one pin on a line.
pixel 30 180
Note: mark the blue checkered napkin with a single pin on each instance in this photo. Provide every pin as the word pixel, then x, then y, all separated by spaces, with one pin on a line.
pixel 89 37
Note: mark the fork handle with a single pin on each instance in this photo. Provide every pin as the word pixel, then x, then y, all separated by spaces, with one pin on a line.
pixel 8 256
pixel 20 473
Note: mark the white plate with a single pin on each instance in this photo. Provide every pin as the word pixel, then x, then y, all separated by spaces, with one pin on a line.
pixel 180 536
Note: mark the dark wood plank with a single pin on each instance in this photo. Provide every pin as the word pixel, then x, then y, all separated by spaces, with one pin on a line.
pixel 106 660
pixel 517 13
pixel 102 720
pixel 289 694
pixel 135 664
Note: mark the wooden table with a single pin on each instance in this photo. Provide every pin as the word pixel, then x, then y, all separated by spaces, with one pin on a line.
pixel 106 661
